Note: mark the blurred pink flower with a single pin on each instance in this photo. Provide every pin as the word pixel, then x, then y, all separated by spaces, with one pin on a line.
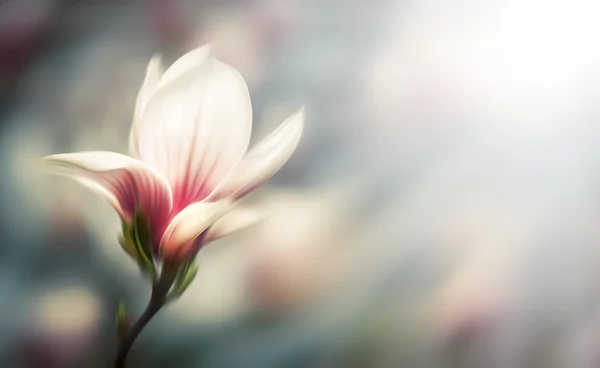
pixel 189 138
pixel 293 256
pixel 63 326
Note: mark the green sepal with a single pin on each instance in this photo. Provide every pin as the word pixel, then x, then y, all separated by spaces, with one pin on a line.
pixel 127 244
pixel 137 243
pixel 141 237
pixel 185 276
pixel 122 320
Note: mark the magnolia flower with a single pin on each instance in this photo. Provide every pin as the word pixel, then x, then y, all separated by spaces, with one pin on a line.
pixel 189 165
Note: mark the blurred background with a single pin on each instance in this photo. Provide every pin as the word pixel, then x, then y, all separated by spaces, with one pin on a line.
pixel 442 209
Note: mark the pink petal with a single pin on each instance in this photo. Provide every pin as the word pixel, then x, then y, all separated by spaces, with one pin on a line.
pixel 236 220
pixel 178 241
pixel 124 182
pixel 153 76
pixel 263 161
pixel 196 127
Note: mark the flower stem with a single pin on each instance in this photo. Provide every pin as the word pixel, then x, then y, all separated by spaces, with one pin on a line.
pixel 157 301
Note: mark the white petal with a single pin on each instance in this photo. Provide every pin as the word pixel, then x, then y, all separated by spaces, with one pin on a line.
pixel 263 161
pixel 196 128
pixel 153 75
pixel 236 220
pixel 155 78
pixel 125 182
pixel 185 63
pixel 178 239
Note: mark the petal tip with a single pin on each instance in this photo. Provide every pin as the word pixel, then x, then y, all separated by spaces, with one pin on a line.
pixel 155 62
pixel 45 163
pixel 296 124
pixel 48 164
pixel 51 157
pixel 301 112
pixel 209 48
pixel 298 117
pixel 206 50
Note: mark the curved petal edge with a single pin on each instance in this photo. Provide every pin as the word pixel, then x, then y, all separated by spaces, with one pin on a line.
pixel 263 161
pixel 126 183
pixel 178 241
pixel 236 220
